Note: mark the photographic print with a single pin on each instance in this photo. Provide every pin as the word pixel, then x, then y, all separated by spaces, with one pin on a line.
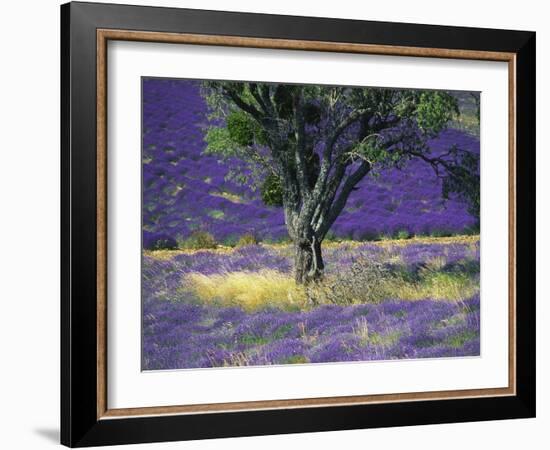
pixel 296 215
pixel 300 224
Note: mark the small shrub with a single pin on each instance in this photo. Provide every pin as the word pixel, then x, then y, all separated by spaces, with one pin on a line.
pixel 366 281
pixel 403 234
pixel 246 239
pixel 158 241
pixel 441 232
pixel 371 281
pixel 200 240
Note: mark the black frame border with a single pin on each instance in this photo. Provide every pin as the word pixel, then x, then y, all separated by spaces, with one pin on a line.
pixel 79 424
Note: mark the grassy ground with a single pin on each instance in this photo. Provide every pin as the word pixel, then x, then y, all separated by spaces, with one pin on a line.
pixel 461 239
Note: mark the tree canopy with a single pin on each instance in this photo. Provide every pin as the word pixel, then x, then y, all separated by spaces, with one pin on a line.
pixel 308 146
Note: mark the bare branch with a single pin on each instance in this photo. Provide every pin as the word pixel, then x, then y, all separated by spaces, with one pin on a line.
pixel 250 109
pixel 342 197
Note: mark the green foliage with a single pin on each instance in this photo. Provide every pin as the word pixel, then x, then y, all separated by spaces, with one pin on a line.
pixel 463 180
pixel 219 142
pixel 243 130
pixel 246 239
pixel 200 240
pixel 403 234
pixel 272 191
pixel 240 131
pixel 434 110
pixel 373 151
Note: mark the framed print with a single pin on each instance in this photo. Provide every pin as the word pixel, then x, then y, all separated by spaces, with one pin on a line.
pixel 276 224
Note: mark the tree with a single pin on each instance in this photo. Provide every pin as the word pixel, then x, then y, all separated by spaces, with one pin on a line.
pixel 311 145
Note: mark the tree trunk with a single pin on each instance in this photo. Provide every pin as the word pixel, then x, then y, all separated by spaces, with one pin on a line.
pixel 308 261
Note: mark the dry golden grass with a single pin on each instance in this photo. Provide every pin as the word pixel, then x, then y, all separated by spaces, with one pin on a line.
pixel 169 254
pixel 466 239
pixel 249 290
pixel 271 289
pixel 438 286
pixel 462 239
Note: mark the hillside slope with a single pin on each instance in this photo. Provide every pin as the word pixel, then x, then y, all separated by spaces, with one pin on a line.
pixel 184 190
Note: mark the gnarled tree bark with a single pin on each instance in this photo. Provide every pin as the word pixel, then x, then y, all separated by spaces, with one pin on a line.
pixel 308 261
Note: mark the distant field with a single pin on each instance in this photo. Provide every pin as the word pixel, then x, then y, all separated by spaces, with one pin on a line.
pixel 185 190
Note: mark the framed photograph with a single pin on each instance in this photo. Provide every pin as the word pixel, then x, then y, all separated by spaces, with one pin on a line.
pixel 277 224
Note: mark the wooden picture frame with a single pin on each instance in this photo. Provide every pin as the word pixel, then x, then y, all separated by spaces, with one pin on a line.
pixel 86 418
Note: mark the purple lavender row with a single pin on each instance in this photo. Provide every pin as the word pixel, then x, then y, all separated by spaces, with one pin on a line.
pixel 185 191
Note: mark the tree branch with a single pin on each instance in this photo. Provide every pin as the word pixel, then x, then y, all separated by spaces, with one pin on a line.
pixel 255 91
pixel 300 148
pixel 265 93
pixel 342 198
pixel 246 107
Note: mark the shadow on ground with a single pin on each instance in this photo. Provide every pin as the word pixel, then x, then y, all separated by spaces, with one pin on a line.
pixel 50 434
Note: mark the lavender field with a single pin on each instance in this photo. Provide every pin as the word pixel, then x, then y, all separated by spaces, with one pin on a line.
pixel 400 264
pixel 400 314
pixel 185 190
